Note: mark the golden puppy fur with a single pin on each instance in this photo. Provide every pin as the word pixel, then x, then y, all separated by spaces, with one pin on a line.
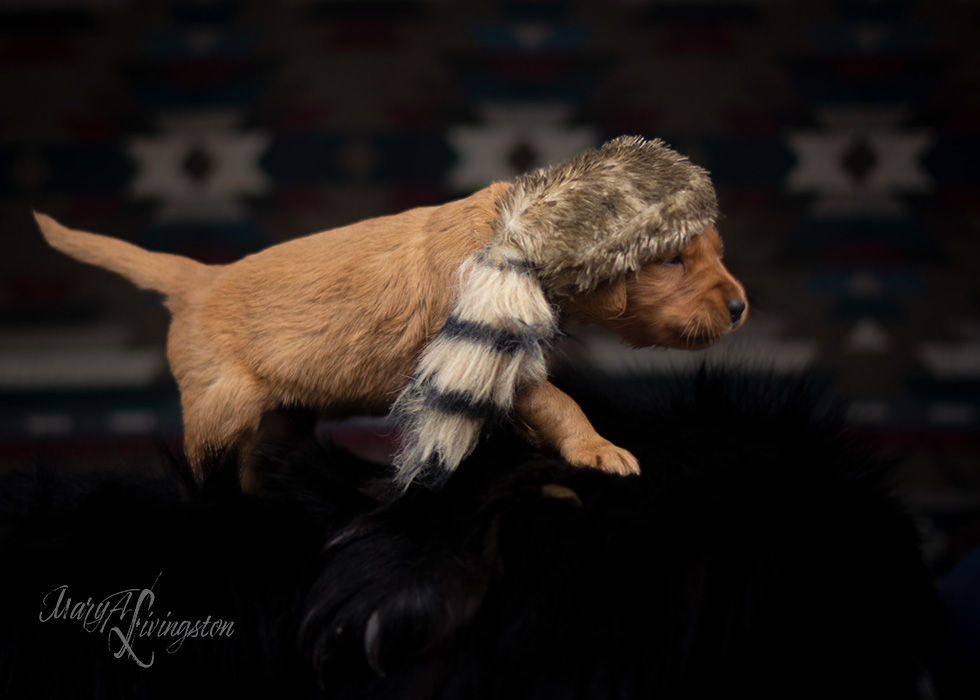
pixel 335 322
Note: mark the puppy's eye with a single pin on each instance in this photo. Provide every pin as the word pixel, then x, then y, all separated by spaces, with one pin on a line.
pixel 676 260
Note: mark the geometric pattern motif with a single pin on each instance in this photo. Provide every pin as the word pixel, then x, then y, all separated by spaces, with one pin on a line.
pixel 842 137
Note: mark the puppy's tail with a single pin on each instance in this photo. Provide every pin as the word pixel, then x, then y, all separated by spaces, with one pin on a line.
pixel 493 343
pixel 159 272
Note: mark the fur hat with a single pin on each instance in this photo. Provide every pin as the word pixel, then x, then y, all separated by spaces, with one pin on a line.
pixel 559 232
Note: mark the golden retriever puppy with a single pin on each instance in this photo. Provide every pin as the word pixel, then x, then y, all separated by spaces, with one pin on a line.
pixel 443 313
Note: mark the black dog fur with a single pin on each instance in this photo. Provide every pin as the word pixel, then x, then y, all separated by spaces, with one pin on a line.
pixel 760 553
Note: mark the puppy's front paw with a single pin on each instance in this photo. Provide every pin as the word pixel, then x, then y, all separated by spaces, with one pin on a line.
pixel 599 453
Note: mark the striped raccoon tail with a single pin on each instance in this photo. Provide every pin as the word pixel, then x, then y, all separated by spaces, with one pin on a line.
pixel 493 343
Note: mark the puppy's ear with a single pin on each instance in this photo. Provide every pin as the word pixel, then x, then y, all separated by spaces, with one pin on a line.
pixel 606 303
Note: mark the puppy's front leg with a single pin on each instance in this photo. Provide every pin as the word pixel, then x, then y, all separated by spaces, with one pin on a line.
pixel 556 421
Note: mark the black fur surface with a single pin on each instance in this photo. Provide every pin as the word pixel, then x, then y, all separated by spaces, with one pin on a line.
pixel 760 554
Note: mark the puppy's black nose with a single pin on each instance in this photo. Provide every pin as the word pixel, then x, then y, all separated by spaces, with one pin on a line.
pixel 736 307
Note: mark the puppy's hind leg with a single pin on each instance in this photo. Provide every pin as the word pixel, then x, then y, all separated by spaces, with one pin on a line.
pixel 222 417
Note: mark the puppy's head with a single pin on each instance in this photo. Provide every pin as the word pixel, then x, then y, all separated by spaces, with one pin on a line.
pixel 685 300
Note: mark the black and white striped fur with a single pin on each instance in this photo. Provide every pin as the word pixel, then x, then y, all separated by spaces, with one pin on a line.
pixel 494 341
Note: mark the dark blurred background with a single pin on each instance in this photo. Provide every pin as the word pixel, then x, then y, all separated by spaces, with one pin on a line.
pixel 843 139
